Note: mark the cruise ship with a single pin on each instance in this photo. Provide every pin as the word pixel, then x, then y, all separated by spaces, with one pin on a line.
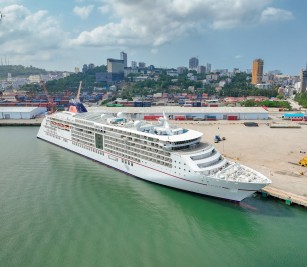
pixel 156 152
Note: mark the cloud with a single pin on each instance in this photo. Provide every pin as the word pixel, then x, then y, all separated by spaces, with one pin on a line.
pixel 275 14
pixel 155 23
pixel 7 2
pixel 104 9
pixel 84 11
pixel 25 34
pixel 154 51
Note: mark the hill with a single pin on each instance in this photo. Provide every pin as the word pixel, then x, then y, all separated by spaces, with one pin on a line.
pixel 19 70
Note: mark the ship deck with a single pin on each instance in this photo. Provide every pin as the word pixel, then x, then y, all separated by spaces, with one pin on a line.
pixel 192 150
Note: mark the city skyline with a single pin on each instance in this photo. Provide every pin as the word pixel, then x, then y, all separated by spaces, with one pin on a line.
pixel 62 35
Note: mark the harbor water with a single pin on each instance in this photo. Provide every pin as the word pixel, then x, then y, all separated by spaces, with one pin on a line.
pixel 58 208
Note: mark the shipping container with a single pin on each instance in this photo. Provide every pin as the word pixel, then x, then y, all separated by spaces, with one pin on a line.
pixel 152 117
pixel 146 104
pixel 232 117
pixel 210 118
pixel 297 119
pixel 138 104
pixel 180 117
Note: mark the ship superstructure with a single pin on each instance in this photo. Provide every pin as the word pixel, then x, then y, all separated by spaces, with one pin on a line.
pixel 159 153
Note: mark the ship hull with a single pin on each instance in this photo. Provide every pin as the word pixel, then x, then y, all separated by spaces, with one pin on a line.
pixel 145 170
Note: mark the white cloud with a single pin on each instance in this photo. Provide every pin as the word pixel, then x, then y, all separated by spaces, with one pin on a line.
pixel 104 9
pixel 26 35
pixel 154 23
pixel 83 11
pixel 275 14
pixel 154 51
pixel 8 2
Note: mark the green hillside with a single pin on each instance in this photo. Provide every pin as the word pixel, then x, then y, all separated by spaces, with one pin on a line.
pixel 19 70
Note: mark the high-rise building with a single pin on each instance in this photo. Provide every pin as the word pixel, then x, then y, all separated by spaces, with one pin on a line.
pixel 201 69
pixel 303 80
pixel 115 65
pixel 193 63
pixel 91 66
pixel 208 68
pixel 257 71
pixel 142 65
pixel 134 64
pixel 84 68
pixel 123 56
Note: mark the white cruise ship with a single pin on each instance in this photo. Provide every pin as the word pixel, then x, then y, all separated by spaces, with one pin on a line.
pixel 159 153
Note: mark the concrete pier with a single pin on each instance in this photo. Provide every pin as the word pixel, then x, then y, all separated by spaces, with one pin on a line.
pixel 31 122
pixel 288 197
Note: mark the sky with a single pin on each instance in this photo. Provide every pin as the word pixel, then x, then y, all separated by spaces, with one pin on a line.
pixel 64 34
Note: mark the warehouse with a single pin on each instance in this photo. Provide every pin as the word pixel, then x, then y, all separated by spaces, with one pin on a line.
pixel 21 112
pixel 192 113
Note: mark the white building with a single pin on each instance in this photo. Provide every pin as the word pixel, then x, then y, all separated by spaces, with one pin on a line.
pixel 265 86
pixel 34 78
pixel 21 112
pixel 206 113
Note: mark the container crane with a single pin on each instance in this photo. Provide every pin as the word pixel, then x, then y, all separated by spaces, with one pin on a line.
pixel 51 104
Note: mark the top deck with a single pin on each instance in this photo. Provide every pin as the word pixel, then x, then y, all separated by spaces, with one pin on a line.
pixel 161 129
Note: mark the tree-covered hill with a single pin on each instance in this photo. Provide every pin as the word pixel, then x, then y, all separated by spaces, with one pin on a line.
pixel 71 82
pixel 241 86
pixel 19 70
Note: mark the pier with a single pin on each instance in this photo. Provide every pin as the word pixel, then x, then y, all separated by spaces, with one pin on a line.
pixel 21 122
pixel 288 197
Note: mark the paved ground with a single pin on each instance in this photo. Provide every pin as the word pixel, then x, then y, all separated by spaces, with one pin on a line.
pixel 265 149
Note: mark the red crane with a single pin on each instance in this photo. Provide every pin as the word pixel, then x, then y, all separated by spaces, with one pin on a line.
pixel 51 104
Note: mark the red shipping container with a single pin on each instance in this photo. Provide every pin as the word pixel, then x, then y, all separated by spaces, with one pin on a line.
pixel 151 117
pixel 180 118
pixel 232 118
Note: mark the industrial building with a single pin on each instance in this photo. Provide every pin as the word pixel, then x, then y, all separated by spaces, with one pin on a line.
pixel 21 112
pixel 192 113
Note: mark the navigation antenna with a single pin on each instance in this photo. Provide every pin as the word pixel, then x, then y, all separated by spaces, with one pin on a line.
pixel 1 16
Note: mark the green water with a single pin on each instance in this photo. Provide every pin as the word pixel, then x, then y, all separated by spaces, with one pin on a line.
pixel 60 209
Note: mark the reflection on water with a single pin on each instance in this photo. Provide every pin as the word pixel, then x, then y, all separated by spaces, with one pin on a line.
pixel 60 209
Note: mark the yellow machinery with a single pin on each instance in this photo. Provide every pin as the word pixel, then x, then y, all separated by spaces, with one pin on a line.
pixel 303 162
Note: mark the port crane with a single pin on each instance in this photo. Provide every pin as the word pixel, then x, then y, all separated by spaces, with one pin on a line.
pixel 51 103
pixel 79 90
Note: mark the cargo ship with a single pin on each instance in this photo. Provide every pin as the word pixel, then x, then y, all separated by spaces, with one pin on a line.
pixel 156 152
